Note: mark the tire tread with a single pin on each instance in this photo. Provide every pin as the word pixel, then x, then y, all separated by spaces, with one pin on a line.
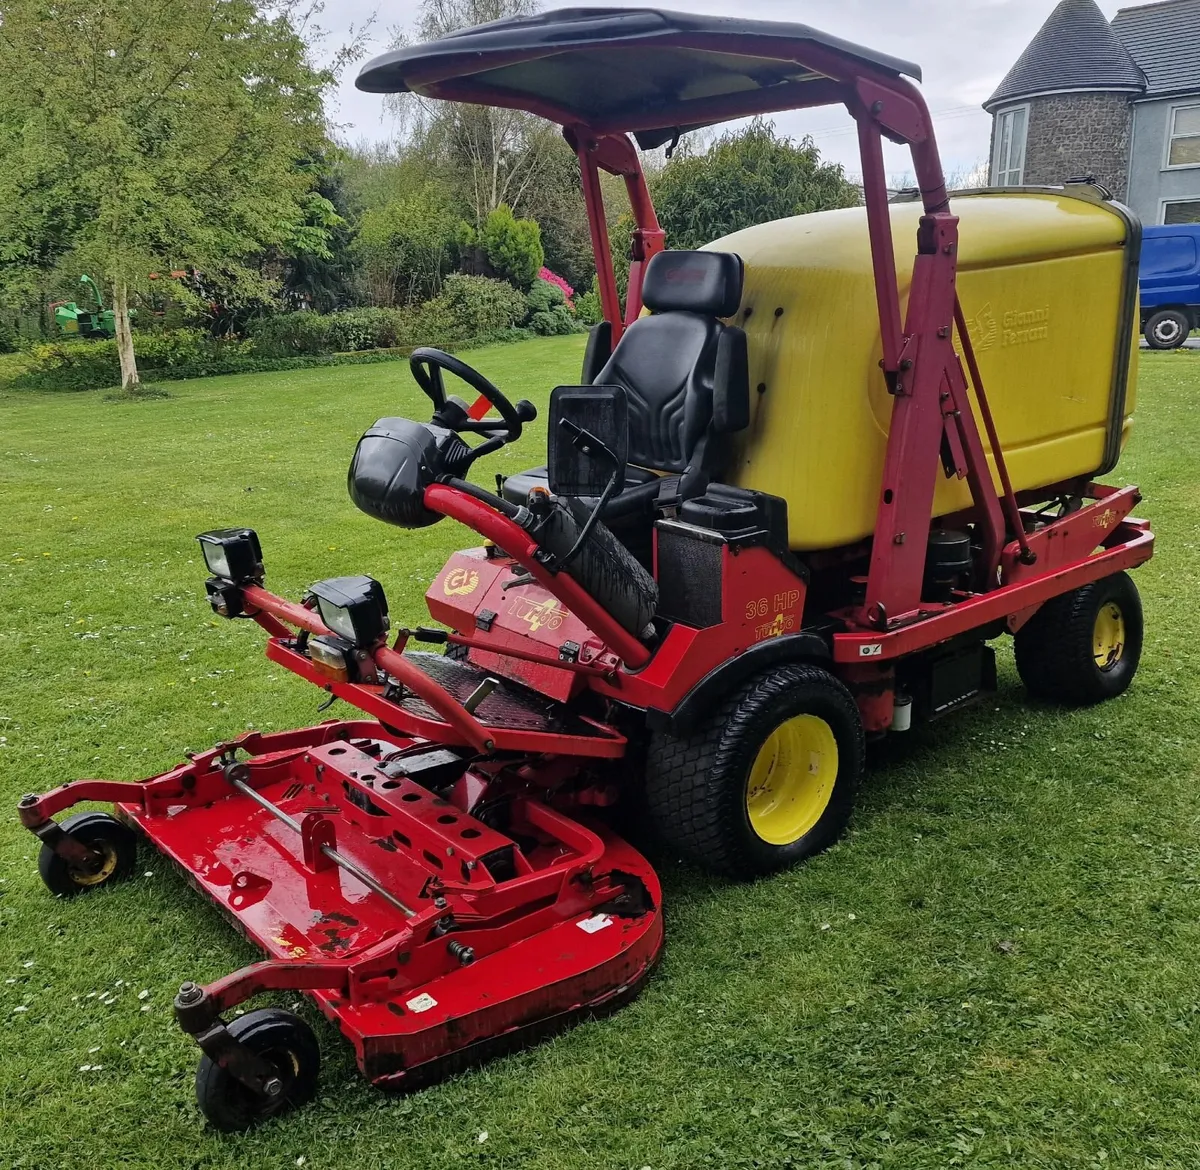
pixel 1053 649
pixel 686 778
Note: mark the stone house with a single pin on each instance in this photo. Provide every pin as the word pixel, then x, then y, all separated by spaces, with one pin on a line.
pixel 1118 102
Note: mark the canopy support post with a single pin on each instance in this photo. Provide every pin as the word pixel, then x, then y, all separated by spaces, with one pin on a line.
pixel 610 301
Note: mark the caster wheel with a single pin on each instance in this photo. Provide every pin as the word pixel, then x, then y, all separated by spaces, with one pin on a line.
pixel 286 1042
pixel 115 842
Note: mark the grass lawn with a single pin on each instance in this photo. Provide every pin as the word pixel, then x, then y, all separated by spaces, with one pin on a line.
pixel 997 967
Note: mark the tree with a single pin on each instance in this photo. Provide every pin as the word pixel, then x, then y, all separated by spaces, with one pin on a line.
pixel 513 246
pixel 746 176
pixel 407 246
pixel 138 135
pixel 322 280
pixel 494 156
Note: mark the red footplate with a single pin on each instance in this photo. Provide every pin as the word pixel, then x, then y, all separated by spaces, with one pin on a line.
pixel 433 937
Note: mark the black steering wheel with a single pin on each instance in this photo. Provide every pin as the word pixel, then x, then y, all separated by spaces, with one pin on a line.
pixel 427 365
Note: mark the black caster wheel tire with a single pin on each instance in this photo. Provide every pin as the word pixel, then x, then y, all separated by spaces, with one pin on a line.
pixel 1083 647
pixel 768 781
pixel 456 652
pixel 115 842
pixel 285 1041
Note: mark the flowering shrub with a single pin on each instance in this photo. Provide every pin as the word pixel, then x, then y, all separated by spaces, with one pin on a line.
pixel 553 278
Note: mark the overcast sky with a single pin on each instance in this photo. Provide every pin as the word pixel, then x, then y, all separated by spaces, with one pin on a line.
pixel 964 48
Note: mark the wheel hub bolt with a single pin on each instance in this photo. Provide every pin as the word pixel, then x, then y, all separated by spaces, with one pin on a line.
pixel 189 993
pixel 273 1087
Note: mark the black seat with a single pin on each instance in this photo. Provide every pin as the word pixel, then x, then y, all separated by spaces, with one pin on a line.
pixel 686 381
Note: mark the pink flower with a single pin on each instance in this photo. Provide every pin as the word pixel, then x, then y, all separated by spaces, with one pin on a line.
pixel 553 278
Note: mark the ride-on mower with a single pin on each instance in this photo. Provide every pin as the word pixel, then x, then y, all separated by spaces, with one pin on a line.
pixel 801 485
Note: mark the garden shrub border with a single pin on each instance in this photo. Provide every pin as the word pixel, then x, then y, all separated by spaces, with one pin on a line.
pixel 50 381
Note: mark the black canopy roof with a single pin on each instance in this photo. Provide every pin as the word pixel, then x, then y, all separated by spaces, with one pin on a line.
pixel 606 66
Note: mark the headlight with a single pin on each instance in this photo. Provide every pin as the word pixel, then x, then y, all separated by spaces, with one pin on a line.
pixel 233 554
pixel 354 608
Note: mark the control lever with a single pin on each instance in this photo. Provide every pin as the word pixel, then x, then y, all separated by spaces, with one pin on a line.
pixel 594 448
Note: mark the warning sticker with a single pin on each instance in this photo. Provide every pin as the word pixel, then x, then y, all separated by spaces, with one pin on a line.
pixel 595 923
pixel 871 650
pixel 421 1003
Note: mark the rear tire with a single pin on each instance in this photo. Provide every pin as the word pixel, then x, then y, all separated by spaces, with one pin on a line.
pixel 768 782
pixel 1084 646
pixel 1167 329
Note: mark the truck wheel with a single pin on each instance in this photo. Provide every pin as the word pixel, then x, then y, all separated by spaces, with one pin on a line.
pixel 1167 329
pixel 1084 646
pixel 768 782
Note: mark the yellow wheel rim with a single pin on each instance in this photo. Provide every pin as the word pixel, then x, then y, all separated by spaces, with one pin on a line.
pixel 792 779
pixel 1108 636
pixel 84 877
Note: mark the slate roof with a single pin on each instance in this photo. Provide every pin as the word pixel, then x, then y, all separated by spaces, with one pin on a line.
pixel 1075 49
pixel 1164 39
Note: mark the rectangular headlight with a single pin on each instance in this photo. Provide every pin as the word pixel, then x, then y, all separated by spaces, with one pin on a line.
pixel 354 608
pixel 232 554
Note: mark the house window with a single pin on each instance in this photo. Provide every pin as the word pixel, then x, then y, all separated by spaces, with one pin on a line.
pixel 1184 211
pixel 1183 146
pixel 1008 165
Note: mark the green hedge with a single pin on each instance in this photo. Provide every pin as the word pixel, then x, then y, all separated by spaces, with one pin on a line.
pixel 351 330
pixel 90 365
pixel 468 309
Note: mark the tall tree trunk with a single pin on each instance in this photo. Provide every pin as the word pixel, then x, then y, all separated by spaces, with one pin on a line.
pixel 129 372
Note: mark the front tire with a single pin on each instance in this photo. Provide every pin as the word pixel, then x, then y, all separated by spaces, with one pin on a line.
pixel 114 842
pixel 1167 329
pixel 285 1041
pixel 769 782
pixel 1084 646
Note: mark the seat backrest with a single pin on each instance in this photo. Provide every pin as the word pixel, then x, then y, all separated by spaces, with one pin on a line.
pixel 671 362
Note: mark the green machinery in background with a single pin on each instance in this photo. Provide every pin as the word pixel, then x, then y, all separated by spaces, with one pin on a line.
pixel 72 321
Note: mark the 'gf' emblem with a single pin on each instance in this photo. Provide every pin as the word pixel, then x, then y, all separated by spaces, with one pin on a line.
pixel 460 582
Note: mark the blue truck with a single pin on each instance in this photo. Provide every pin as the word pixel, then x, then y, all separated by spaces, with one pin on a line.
pixel 1169 284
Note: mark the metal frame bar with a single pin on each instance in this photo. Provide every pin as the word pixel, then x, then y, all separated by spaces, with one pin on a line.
pixel 355 871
